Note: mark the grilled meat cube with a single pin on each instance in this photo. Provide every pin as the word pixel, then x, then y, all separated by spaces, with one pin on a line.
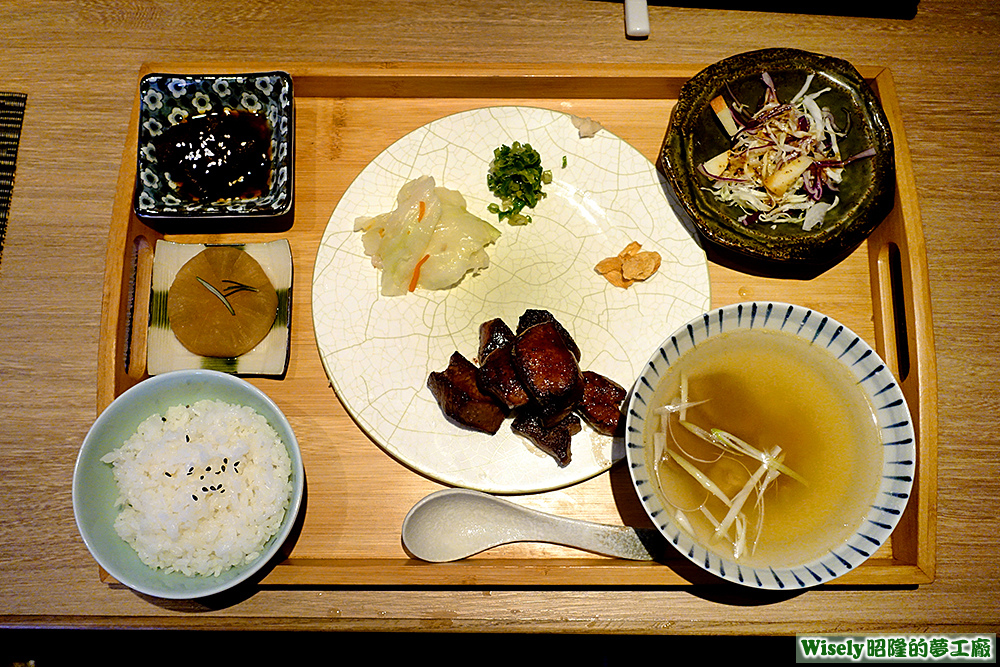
pixel 553 440
pixel 493 334
pixel 548 370
pixel 458 394
pixel 601 404
pixel 534 316
pixel 498 377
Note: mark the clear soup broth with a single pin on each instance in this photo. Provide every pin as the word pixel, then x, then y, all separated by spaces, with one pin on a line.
pixel 768 388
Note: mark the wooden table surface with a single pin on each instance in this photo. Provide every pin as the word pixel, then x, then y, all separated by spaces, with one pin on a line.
pixel 78 63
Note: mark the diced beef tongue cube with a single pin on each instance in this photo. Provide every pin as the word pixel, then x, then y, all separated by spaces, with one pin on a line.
pixel 553 440
pixel 534 316
pixel 493 334
pixel 534 374
pixel 458 394
pixel 601 404
pixel 548 369
pixel 498 377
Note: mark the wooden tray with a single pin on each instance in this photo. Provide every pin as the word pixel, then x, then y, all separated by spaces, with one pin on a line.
pixel 357 495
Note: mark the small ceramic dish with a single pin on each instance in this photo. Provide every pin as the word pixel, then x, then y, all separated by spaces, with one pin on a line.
pixel 96 493
pixel 753 369
pixel 695 135
pixel 165 353
pixel 168 100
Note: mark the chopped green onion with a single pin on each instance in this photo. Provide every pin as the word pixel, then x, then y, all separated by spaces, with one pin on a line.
pixel 516 177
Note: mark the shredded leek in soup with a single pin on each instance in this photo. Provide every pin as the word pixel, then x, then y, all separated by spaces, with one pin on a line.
pixel 765 447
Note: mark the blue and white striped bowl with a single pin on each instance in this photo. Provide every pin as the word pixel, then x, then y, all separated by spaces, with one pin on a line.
pixel 873 377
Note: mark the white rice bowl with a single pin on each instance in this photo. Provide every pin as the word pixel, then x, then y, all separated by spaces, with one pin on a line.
pixel 202 488
pixel 145 529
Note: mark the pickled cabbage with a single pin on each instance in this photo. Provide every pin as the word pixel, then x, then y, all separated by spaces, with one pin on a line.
pixel 429 240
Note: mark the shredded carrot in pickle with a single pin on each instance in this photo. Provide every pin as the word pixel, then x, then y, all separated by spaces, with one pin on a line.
pixel 420 216
pixel 416 269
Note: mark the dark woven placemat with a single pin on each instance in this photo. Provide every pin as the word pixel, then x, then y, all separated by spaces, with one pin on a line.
pixel 11 117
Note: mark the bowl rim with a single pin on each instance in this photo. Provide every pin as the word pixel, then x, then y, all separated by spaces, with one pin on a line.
pixel 119 406
pixel 892 414
pixel 223 213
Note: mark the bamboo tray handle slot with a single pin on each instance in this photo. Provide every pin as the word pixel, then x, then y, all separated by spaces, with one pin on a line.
pixel 137 318
pixel 894 338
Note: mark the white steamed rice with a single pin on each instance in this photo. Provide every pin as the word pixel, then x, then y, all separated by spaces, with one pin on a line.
pixel 201 488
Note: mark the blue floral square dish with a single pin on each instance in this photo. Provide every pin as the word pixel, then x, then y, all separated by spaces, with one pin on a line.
pixel 215 146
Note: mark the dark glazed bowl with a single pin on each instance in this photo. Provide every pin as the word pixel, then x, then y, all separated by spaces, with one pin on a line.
pixel 169 99
pixel 694 135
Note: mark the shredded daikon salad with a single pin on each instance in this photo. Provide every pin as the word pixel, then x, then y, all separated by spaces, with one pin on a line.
pixel 733 528
pixel 785 164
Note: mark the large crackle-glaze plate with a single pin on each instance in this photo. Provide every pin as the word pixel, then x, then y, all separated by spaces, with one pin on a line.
pixel 378 351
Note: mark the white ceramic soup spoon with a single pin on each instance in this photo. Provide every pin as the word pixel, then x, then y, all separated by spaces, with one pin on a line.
pixel 453 524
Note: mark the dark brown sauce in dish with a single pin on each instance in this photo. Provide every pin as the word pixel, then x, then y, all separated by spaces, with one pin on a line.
pixel 218 157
